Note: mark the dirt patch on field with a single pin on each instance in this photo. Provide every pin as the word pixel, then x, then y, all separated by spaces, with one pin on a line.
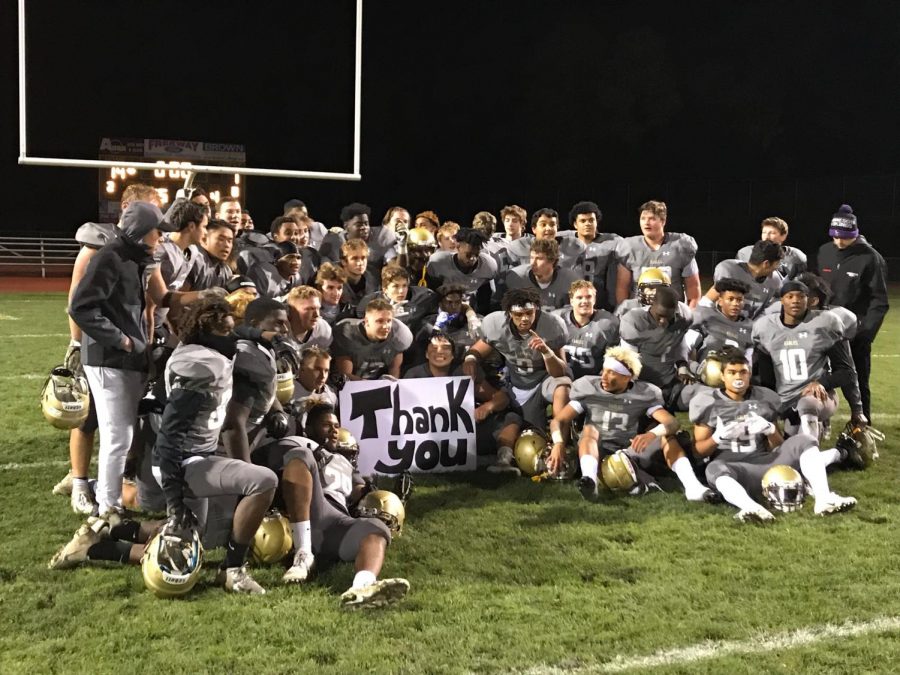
pixel 33 284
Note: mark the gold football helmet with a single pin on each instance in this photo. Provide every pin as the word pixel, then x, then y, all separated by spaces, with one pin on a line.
pixel 422 237
pixel 860 443
pixel 273 539
pixel 648 281
pixel 171 564
pixel 347 446
pixel 783 488
pixel 284 381
pixel 710 370
pixel 531 453
pixel 65 399
pixel 387 507
pixel 617 472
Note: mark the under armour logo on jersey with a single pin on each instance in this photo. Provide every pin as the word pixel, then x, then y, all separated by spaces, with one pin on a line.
pixel 802 335
pixel 851 274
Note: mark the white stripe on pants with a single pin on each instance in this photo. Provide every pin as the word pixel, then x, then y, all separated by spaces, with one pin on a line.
pixel 116 393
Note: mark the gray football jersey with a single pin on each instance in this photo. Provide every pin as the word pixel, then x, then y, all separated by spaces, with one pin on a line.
pixel 96 235
pixel 442 265
pixel 319 336
pixel 554 296
pixel 761 294
pixel 174 265
pixel 675 257
pixel 799 353
pixel 207 272
pixel 571 253
pixel 254 378
pixel 208 372
pixel 616 416
pixel 269 282
pixel 509 252
pixel 325 394
pixel 626 306
pixel 420 302
pixel 599 266
pixel 525 366
pixel 715 331
pixel 586 344
pixel 712 408
pixel 381 241
pixel 658 347
pixel 793 263
pixel 353 294
pixel 370 359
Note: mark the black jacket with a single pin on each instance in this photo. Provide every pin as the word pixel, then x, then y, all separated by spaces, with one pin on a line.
pixel 858 278
pixel 108 302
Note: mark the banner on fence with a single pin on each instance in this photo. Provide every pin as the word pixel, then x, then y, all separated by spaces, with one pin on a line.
pixel 419 425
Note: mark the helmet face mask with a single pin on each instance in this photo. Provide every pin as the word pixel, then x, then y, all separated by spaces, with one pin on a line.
pixel 387 507
pixel 784 488
pixel 284 381
pixel 172 562
pixel 647 283
pixel 65 399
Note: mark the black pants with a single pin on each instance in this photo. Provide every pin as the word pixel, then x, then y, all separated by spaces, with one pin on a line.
pixel 861 350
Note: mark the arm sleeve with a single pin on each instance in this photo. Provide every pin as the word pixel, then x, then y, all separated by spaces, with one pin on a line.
pixel 765 369
pixel 97 284
pixel 179 415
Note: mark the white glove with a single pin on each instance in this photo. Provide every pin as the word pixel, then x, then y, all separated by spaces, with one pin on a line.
pixel 729 432
pixel 758 425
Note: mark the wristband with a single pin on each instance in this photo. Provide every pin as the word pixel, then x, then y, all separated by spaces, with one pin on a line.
pixel 659 430
pixel 556 436
pixel 74 343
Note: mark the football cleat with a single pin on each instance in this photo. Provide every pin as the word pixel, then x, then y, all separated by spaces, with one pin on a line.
pixel 833 503
pixel 587 486
pixel 784 488
pixel 238 580
pixel 756 515
pixel 379 594
pixel 301 568
pixel 504 463
pixel 75 552
pixel 64 487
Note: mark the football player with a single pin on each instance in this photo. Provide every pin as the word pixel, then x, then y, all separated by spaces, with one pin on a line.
pixel 210 267
pixel 411 303
pixel 275 277
pixel 470 267
pixel 531 342
pixel 371 347
pixel 380 240
pixel 736 426
pixel 330 281
pixel 446 236
pixel 320 486
pixel 590 331
pixel 514 248
pixel 724 325
pixel 454 318
pixel 544 274
pixel 759 273
pixel 806 355
pixel 650 279
pixel 598 264
pixel 545 225
pixel 657 333
pixel 420 245
pixel 310 385
pixel 496 425
pixel 308 328
pixel 361 281
pixel 616 404
pixel 229 210
pixel 672 252
pixel 317 231
pixel 775 229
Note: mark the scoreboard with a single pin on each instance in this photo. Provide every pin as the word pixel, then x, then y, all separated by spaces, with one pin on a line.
pixel 174 158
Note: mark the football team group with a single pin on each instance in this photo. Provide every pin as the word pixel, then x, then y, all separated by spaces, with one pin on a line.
pixel 207 357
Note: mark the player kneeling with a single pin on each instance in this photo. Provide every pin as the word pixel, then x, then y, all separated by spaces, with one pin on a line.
pixel 736 426
pixel 320 487
pixel 615 404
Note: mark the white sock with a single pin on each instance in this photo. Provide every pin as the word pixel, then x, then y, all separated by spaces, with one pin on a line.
pixel 809 424
pixel 80 484
pixel 589 465
pixel 302 536
pixel 813 469
pixel 735 494
pixel 363 578
pixel 508 452
pixel 693 488
pixel 831 456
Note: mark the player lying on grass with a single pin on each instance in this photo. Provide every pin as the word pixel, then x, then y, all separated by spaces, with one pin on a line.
pixel 736 426
pixel 320 486
pixel 615 405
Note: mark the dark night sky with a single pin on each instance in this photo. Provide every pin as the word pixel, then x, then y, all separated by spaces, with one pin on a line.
pixel 470 106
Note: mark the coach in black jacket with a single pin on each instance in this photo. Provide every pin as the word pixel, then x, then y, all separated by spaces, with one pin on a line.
pixel 857 275
pixel 108 305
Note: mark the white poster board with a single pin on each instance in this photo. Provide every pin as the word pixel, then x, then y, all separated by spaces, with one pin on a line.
pixel 422 425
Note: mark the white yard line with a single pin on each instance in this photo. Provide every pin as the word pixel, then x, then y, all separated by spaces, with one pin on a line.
pixel 16 466
pixel 714 649
pixel 8 317
pixel 35 335
pixel 886 356
pixel 24 376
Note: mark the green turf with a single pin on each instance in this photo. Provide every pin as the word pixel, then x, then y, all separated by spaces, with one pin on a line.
pixel 506 575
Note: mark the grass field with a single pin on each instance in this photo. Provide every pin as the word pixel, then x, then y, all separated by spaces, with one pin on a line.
pixel 506 575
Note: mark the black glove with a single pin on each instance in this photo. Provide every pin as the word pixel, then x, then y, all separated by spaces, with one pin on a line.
pixel 149 405
pixel 181 519
pixel 277 423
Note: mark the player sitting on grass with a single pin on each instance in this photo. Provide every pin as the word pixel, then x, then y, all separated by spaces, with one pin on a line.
pixel 320 486
pixel 735 425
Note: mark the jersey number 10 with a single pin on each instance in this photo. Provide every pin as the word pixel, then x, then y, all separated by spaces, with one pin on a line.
pixel 793 365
